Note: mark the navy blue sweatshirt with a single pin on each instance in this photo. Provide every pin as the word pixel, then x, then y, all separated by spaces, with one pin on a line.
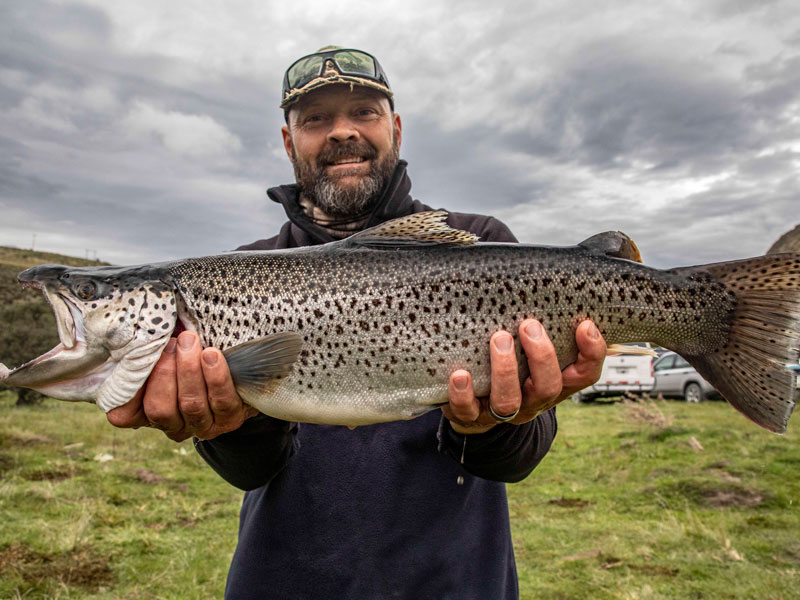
pixel 407 510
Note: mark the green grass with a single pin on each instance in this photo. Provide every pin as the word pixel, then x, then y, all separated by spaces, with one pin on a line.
pixel 619 509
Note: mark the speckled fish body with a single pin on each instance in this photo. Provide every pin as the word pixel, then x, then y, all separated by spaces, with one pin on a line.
pixel 369 329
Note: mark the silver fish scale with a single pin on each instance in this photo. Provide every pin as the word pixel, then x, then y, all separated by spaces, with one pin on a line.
pixel 383 329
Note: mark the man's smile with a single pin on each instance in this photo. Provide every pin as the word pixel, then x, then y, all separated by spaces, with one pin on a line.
pixel 348 165
pixel 348 161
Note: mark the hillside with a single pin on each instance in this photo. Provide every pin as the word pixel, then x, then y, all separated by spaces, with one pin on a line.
pixel 27 325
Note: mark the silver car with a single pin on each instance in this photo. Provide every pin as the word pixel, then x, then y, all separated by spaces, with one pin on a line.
pixel 676 377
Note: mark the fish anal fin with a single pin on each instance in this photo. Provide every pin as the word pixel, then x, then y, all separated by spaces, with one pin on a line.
pixel 614 349
pixel 257 365
pixel 614 244
pixel 420 229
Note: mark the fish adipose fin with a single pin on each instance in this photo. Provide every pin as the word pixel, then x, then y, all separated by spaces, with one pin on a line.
pixel 612 243
pixel 255 365
pixel 420 229
pixel 752 370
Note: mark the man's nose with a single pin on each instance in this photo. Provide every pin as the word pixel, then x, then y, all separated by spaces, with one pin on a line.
pixel 343 129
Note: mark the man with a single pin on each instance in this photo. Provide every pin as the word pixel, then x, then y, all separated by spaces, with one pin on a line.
pixel 411 509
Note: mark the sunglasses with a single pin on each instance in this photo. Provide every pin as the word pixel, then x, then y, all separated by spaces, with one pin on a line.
pixel 347 61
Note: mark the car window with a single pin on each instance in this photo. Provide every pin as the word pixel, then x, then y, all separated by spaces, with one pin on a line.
pixel 681 363
pixel 665 363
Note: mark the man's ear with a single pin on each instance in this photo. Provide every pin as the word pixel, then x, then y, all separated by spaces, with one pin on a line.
pixel 398 129
pixel 288 144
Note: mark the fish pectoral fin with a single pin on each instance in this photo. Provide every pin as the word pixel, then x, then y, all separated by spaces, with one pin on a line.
pixel 421 229
pixel 614 244
pixel 255 364
pixel 615 349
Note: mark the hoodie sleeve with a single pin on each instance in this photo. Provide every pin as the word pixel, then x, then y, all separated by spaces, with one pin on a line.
pixel 506 452
pixel 253 454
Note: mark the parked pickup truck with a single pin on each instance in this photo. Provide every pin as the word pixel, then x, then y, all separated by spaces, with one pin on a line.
pixel 622 373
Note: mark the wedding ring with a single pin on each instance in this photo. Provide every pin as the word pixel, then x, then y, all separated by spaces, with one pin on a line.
pixel 500 418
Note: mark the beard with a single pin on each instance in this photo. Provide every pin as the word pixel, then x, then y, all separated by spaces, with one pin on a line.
pixel 329 194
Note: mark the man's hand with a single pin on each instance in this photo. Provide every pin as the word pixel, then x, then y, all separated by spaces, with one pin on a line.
pixel 546 386
pixel 189 393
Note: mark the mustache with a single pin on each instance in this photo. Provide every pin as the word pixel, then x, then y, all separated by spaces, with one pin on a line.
pixel 333 153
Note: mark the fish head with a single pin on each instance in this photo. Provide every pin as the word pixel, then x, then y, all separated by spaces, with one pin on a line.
pixel 112 325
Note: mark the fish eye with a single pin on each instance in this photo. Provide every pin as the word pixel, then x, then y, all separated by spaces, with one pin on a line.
pixel 86 290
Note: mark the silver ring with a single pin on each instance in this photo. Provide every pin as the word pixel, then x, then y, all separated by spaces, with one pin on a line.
pixel 502 419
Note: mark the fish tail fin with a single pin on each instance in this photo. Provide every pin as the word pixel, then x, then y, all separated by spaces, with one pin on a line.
pixel 756 369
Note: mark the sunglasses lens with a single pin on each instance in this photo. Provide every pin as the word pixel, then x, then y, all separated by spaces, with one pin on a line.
pixel 304 71
pixel 355 63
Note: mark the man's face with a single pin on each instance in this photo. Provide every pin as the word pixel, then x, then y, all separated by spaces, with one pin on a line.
pixel 344 145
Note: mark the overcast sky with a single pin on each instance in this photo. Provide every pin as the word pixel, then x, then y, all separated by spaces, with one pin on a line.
pixel 149 130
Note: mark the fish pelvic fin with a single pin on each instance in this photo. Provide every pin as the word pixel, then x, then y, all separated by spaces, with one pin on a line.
pixel 420 229
pixel 256 366
pixel 752 371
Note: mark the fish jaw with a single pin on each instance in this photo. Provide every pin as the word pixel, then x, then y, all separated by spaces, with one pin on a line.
pixel 72 359
pixel 113 324
pixel 61 373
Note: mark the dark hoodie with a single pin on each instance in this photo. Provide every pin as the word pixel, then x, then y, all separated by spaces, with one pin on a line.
pixel 408 510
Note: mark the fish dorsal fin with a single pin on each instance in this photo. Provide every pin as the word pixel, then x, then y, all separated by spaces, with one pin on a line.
pixel 613 243
pixel 420 229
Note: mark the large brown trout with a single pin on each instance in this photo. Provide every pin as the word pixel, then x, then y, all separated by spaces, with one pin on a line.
pixel 369 329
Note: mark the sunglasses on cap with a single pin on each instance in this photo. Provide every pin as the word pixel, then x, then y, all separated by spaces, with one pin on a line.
pixel 353 66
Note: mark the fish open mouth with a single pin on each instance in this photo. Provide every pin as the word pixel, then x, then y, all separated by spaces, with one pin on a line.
pixel 69 357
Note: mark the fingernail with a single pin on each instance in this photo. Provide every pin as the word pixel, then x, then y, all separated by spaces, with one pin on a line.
pixel 460 382
pixel 185 341
pixel 210 358
pixel 170 349
pixel 534 330
pixel 593 332
pixel 504 343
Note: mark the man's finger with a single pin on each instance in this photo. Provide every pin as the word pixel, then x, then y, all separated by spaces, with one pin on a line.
pixel 160 401
pixel 464 406
pixel 192 394
pixel 591 352
pixel 130 414
pixel 545 373
pixel 506 395
pixel 226 406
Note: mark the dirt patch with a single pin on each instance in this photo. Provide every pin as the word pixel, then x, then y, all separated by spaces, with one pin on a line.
pixel 6 464
pixel 655 570
pixel 722 495
pixel 734 496
pixel 666 433
pixel 647 412
pixel 661 472
pixel 57 474
pixel 149 477
pixel 82 567
pixel 25 439
pixel 570 502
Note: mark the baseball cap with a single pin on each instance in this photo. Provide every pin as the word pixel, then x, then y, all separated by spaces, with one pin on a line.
pixel 329 65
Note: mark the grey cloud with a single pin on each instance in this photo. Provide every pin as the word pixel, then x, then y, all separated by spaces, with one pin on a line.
pixel 612 105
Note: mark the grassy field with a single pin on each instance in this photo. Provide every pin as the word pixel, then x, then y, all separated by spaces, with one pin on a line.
pixel 661 500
